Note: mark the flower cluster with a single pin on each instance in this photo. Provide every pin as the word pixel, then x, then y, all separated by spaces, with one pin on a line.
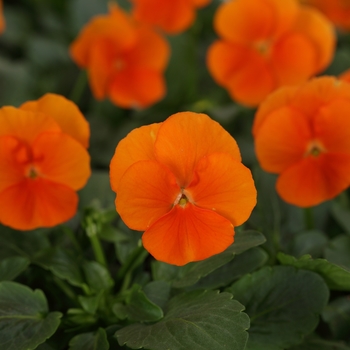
pixel 267 44
pixel 303 134
pixel 43 162
pixel 183 183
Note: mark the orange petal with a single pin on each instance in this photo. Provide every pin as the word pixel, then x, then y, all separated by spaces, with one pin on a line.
pixel 117 28
pixel 315 179
pixel 332 126
pixel 286 13
pixel 147 191
pixel 136 88
pixel 25 125
pixel 253 81
pixel 224 59
pixel 294 59
pixel 345 76
pixel 12 171
pixel 102 61
pixel 245 21
pixel 137 145
pixel 276 100
pixel 320 31
pixel 185 137
pixel 225 185
pixel 188 234
pixel 60 158
pixel 151 50
pixel 200 3
pixel 172 17
pixel 35 203
pixel 2 19
pixel 66 114
pixel 282 139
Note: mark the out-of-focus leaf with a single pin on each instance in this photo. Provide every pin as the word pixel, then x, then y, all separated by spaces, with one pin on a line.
pixel 283 304
pixel 157 292
pixel 25 321
pixel 314 343
pixel 10 268
pixel 309 242
pixel 341 213
pixel 90 341
pixel 199 320
pixel 336 277
pixel 338 251
pixel 97 276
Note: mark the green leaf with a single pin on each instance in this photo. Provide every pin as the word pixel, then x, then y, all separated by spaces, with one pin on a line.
pixel 62 264
pixel 25 321
pixel 158 292
pixel 10 268
pixel 337 315
pixel 341 214
pixel 314 343
pixel 197 320
pixel 338 251
pixel 97 276
pixel 140 308
pixel 90 303
pixel 242 264
pixel 335 276
pixel 283 304
pixel 192 272
pixel 90 341
pixel 310 242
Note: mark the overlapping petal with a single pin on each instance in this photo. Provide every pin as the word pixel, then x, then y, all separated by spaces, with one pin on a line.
pixel 137 145
pixel 38 202
pixel 282 139
pixel 65 113
pixel 147 191
pixel 184 138
pixel 314 180
pixel 188 234
pixel 223 184
pixel 61 159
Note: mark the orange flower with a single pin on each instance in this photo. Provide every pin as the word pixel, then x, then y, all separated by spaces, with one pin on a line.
pixel 43 162
pixel 125 60
pixel 182 181
pixel 338 11
pixel 2 19
pixel 345 76
pixel 267 44
pixel 303 134
pixel 173 17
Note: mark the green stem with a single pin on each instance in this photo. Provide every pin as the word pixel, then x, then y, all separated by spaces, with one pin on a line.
pixel 97 248
pixel 79 87
pixel 309 219
pixel 134 260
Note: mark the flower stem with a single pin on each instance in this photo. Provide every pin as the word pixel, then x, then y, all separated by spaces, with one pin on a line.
pixel 97 248
pixel 79 87
pixel 309 219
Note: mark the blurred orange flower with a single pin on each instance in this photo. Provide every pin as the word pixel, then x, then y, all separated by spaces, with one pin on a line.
pixel 183 183
pixel 43 162
pixel 2 19
pixel 338 11
pixel 345 76
pixel 267 44
pixel 303 134
pixel 125 60
pixel 173 17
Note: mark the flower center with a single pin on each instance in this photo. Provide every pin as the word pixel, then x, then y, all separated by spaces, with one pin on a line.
pixel 263 47
pixel 315 148
pixel 182 200
pixel 119 64
pixel 32 172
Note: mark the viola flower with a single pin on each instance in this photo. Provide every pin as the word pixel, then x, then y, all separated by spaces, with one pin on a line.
pixel 173 17
pixel 338 11
pixel 43 162
pixel 267 44
pixel 183 183
pixel 125 60
pixel 303 134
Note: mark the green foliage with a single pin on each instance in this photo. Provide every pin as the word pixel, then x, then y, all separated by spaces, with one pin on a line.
pixel 10 268
pixel 283 304
pixel 90 341
pixel 25 321
pixel 194 320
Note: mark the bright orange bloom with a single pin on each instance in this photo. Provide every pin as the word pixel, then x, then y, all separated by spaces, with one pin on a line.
pixel 43 162
pixel 2 19
pixel 338 11
pixel 173 17
pixel 125 60
pixel 345 76
pixel 267 44
pixel 303 134
pixel 183 183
